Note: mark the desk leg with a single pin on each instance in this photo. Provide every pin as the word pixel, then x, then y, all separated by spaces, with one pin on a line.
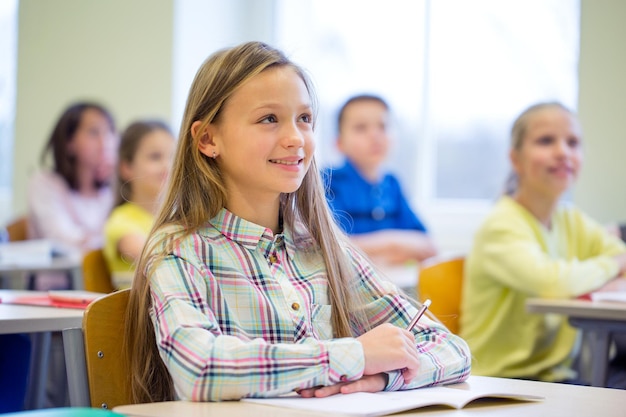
pixel 38 374
pixel 600 341
pixel 76 275
pixel 78 383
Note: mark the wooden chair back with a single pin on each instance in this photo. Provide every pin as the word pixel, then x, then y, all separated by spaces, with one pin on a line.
pixel 96 274
pixel 18 229
pixel 107 371
pixel 441 281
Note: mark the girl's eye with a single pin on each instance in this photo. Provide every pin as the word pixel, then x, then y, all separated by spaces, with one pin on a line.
pixel 573 142
pixel 306 118
pixel 360 128
pixel 269 119
pixel 545 140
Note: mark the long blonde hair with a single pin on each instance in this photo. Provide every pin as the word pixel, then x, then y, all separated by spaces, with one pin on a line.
pixel 196 193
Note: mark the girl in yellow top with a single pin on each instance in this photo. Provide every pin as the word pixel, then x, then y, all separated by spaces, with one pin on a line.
pixel 532 245
pixel 145 155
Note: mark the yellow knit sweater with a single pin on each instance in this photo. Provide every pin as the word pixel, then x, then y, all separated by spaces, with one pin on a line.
pixel 515 257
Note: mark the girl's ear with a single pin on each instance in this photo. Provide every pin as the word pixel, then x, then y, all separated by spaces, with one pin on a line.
pixel 339 144
pixel 514 158
pixel 126 171
pixel 204 139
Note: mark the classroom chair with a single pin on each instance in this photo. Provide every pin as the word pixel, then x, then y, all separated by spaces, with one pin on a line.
pixel 96 275
pixel 96 370
pixel 18 229
pixel 441 281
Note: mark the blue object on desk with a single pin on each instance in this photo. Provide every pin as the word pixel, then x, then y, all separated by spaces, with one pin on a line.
pixel 66 412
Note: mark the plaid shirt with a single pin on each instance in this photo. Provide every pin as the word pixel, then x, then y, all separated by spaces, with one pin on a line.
pixel 239 311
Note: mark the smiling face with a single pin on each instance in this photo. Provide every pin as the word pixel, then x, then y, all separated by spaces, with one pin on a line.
pixel 549 157
pixel 263 137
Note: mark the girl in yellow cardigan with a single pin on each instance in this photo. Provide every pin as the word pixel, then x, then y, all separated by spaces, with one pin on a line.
pixel 534 245
pixel 145 157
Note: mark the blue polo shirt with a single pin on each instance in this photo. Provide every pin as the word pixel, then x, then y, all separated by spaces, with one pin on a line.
pixel 362 207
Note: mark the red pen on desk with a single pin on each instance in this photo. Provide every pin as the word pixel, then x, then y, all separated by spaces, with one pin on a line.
pixel 419 314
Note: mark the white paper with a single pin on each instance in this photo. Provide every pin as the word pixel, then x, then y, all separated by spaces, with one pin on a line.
pixel 376 404
pixel 609 296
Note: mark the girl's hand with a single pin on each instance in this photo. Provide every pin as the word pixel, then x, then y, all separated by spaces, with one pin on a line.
pixel 616 284
pixel 389 348
pixel 367 383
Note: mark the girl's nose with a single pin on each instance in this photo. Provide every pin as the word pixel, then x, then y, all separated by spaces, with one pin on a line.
pixel 561 147
pixel 292 136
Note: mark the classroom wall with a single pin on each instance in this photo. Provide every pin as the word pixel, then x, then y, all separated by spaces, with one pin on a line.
pixel 122 53
pixel 117 52
pixel 601 190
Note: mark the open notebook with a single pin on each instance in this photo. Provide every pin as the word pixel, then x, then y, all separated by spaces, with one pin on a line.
pixel 383 403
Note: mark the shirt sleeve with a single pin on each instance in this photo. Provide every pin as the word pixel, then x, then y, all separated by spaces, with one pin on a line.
pixel 407 218
pixel 444 357
pixel 118 225
pixel 206 364
pixel 510 253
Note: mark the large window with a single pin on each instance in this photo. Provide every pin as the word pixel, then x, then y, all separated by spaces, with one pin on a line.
pixel 456 74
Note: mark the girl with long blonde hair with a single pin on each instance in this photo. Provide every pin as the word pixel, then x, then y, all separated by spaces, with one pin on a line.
pixel 246 286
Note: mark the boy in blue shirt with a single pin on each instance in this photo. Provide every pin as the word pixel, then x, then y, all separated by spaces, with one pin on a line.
pixel 368 202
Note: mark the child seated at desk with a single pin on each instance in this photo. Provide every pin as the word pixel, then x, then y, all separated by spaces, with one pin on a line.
pixel 246 286
pixel 367 201
pixel 534 245
pixel 70 203
pixel 144 160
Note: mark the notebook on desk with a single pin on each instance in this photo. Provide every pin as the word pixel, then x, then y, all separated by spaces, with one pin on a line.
pixel 65 299
pixel 365 404
pixel 617 296
pixel 34 253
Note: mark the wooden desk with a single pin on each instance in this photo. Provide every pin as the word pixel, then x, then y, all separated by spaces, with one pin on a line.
pixel 560 400
pixel 599 318
pixel 68 263
pixel 39 322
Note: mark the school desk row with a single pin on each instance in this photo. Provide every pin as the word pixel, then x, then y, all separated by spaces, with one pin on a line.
pixel 18 260
pixel 600 317
pixel 558 400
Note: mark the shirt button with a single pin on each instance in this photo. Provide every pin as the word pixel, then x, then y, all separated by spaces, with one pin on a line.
pixel 273 259
pixel 295 306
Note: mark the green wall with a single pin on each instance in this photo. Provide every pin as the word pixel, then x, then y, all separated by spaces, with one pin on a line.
pixel 601 190
pixel 118 52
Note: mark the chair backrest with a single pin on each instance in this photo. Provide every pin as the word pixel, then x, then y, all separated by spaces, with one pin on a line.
pixel 96 275
pixel 18 229
pixel 103 331
pixel 441 281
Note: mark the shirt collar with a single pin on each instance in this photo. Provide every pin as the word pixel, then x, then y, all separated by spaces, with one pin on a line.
pixel 248 234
